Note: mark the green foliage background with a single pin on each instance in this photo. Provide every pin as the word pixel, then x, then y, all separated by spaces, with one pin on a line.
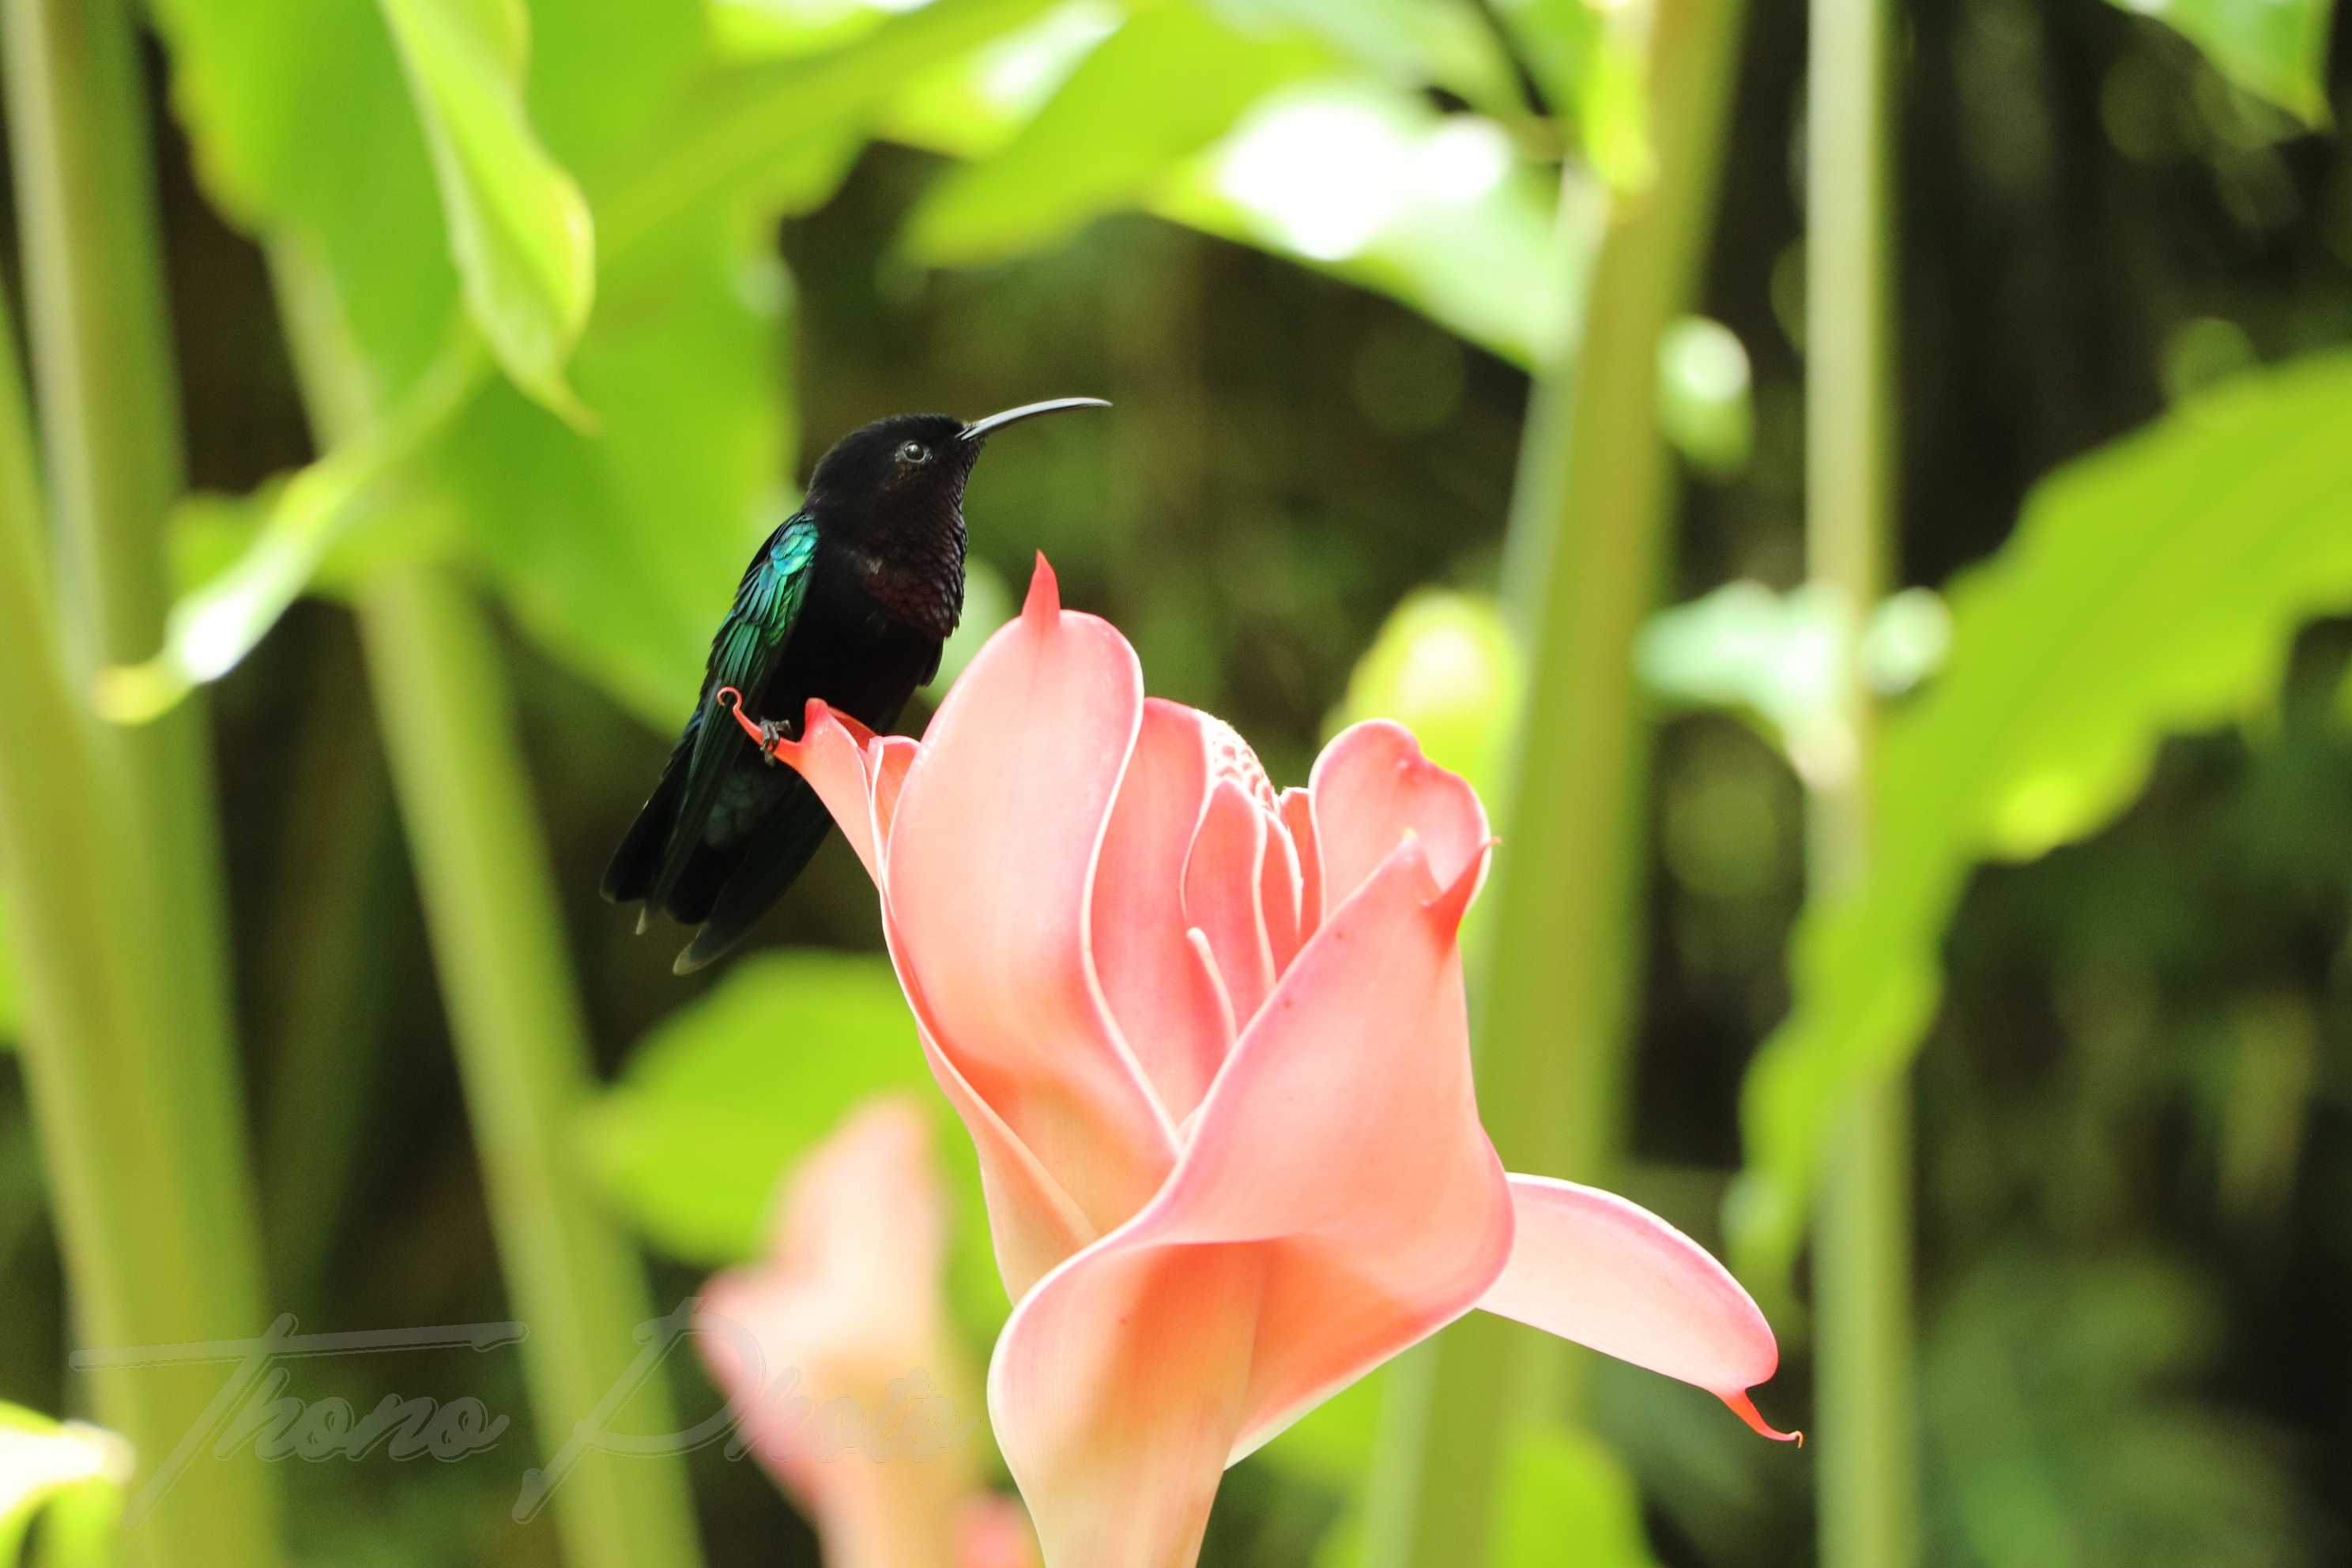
pixel 557 298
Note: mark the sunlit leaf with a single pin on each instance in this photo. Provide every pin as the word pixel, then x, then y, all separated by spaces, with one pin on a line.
pixel 2276 49
pixel 1444 667
pixel 974 105
pixel 1164 86
pixel 211 628
pixel 734 122
pixel 1775 656
pixel 42 1462
pixel 1704 408
pixel 730 1091
pixel 1372 186
pixel 1414 42
pixel 519 227
pixel 2154 587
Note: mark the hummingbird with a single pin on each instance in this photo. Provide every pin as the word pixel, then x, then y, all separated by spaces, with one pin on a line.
pixel 850 600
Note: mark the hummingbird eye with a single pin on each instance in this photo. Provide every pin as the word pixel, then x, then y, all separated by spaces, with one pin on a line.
pixel 914 452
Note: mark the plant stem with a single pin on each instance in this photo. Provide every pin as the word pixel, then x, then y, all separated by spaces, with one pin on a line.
pixel 1552 1009
pixel 448 726
pixel 157 1238
pixel 449 729
pixel 131 1052
pixel 1862 1256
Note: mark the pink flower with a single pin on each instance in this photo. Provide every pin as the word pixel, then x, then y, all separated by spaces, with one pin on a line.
pixel 840 1365
pixel 1211 1043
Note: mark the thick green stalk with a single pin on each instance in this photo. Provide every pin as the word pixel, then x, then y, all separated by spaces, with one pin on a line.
pixel 1869 1447
pixel 158 1248
pixel 449 733
pixel 1554 998
pixel 137 1090
pixel 449 729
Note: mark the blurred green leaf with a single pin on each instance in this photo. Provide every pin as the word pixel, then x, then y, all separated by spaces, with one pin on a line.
pixel 720 148
pixel 1164 86
pixel 1444 667
pixel 300 519
pixel 1413 43
pixel 617 549
pixel 302 128
pixel 1703 402
pixel 730 1091
pixel 1334 1443
pixel 2058 1395
pixel 1774 656
pixel 1372 186
pixel 1559 1487
pixel 2154 587
pixel 2276 49
pixel 974 105
pixel 519 228
pixel 46 1463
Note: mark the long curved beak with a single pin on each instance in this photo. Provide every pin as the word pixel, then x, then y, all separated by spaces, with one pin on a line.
pixel 982 428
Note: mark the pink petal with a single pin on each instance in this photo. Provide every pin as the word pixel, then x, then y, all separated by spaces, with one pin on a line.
pixel 994 1534
pixel 1163 997
pixel 831 754
pixel 1337 1201
pixel 1298 807
pixel 1372 787
pixel 1221 895
pixel 992 849
pixel 1278 895
pixel 1591 1267
pixel 845 1312
pixel 887 758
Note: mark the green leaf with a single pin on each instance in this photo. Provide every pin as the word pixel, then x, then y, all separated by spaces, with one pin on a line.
pixel 1437 211
pixel 1774 656
pixel 519 228
pixel 302 129
pixel 732 1089
pixel 1164 86
pixel 617 549
pixel 1444 667
pixel 1413 43
pixel 2276 49
pixel 54 1464
pixel 1703 403
pixel 2152 587
pixel 301 520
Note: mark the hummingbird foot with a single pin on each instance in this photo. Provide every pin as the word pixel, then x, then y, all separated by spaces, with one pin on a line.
pixel 773 734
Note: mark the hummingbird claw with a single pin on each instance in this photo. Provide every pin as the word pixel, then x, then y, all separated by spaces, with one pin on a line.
pixel 771 735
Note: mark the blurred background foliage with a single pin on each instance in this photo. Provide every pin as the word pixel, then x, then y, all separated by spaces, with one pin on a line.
pixel 554 301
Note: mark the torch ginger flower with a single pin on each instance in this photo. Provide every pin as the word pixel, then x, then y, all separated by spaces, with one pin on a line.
pixel 1210 1042
pixel 838 1360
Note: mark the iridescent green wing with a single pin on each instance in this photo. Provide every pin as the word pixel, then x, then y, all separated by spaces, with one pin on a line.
pixel 744 654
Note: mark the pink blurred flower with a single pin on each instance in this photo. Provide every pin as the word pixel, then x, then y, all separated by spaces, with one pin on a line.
pixel 1210 1040
pixel 836 1355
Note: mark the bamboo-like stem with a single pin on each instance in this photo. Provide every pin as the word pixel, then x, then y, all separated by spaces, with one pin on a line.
pixel 131 1053
pixel 1552 1008
pixel 1869 1446
pixel 448 726
pixel 158 1249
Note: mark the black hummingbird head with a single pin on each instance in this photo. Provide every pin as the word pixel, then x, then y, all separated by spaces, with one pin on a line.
pixel 902 478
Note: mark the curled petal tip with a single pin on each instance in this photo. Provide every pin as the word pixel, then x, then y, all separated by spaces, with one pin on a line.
pixel 1044 601
pixel 1745 1408
pixel 1448 908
